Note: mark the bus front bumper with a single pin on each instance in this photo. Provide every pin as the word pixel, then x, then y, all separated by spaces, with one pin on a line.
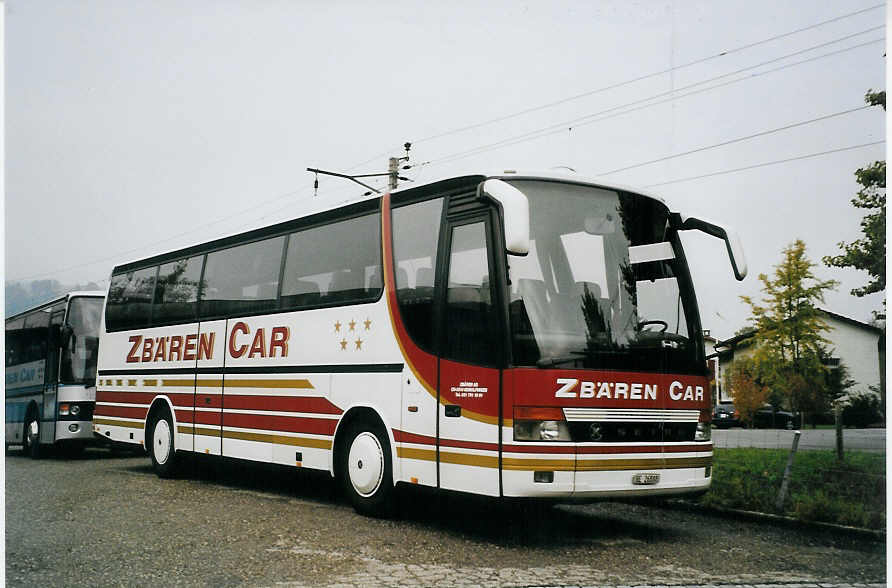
pixel 74 431
pixel 594 485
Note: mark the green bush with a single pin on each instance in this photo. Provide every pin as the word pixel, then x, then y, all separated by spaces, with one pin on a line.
pixel 861 410
pixel 852 492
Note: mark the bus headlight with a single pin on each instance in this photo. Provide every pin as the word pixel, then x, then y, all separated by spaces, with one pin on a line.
pixel 704 432
pixel 75 409
pixel 64 409
pixel 540 424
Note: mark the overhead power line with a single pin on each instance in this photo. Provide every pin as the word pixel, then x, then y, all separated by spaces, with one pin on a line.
pixel 625 108
pixel 506 117
pixel 737 140
pixel 629 81
pixel 764 164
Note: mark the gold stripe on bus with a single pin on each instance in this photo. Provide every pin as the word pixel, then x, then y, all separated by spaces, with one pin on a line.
pixel 150 382
pixel 300 384
pixel 688 462
pixel 413 453
pixel 117 423
pixel 470 459
pixel 560 465
pixel 482 461
pixel 279 439
pixel 297 384
pixel 642 464
pixel 263 437
pixel 131 382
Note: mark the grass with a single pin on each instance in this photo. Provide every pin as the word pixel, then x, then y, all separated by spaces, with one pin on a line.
pixel 851 492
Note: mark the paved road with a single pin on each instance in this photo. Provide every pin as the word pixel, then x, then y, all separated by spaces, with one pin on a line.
pixel 860 439
pixel 105 520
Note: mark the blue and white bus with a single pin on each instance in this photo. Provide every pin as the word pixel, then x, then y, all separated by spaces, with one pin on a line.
pixel 51 352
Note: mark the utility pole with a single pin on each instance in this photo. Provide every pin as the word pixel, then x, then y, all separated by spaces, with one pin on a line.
pixel 393 167
pixel 393 170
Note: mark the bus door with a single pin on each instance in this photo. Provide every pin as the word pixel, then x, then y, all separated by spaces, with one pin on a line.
pixel 54 347
pixel 469 379
pixel 208 414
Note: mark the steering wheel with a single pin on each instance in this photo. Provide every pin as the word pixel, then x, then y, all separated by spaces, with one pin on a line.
pixel 664 324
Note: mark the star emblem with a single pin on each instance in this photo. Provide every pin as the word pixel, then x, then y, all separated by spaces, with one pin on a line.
pixel 359 344
pixel 352 325
pixel 343 344
pixel 337 327
pixel 368 324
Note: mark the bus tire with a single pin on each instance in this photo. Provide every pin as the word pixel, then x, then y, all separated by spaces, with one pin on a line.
pixel 165 460
pixel 31 436
pixel 366 469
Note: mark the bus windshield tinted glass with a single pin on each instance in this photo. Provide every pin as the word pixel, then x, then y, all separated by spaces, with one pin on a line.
pixel 81 348
pixel 601 287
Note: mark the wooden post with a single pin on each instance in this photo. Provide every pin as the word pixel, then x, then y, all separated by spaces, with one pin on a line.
pixel 837 413
pixel 785 484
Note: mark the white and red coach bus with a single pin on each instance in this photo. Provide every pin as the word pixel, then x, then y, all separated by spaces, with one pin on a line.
pixel 510 335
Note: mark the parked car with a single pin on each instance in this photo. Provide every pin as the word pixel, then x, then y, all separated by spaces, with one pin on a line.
pixel 725 416
pixel 768 417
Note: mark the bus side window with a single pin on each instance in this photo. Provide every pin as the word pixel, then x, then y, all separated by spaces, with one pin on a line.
pixel 176 293
pixel 470 332
pixel 416 230
pixel 333 264
pixel 130 299
pixel 243 279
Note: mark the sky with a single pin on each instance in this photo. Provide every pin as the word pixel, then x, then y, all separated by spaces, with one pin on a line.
pixel 135 128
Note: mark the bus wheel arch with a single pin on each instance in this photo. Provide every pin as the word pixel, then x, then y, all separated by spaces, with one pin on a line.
pixel 160 438
pixel 363 462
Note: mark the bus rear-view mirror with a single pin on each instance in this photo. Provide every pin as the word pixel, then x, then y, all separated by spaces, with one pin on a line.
pixel 730 237
pixel 515 213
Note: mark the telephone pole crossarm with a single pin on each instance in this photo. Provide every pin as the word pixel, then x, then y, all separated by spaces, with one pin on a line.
pixel 349 177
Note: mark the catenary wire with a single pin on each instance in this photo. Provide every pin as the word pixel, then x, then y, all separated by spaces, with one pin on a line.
pixel 627 82
pixel 737 140
pixel 611 112
pixel 764 164
pixel 512 140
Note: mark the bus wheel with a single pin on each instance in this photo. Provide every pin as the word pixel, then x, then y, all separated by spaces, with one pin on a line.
pixel 164 456
pixel 366 470
pixel 31 437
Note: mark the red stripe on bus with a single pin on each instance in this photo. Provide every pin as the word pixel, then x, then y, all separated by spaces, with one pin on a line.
pixel 130 412
pixel 207 418
pixel 280 423
pixel 405 437
pixel 125 397
pixel 313 404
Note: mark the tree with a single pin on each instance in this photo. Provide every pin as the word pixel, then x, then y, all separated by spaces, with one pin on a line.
pixel 749 392
pixel 788 330
pixel 869 252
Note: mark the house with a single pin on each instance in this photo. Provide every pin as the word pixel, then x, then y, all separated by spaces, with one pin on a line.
pixel 859 346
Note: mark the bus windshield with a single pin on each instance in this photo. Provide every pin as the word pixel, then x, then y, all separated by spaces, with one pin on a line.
pixel 81 349
pixel 602 286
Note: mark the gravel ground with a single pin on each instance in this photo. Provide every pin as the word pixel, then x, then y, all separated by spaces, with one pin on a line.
pixel 107 520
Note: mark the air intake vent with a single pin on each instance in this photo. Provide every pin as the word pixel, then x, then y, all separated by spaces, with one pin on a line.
pixel 465 201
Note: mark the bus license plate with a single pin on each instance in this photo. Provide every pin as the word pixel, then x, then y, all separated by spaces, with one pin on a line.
pixel 648 479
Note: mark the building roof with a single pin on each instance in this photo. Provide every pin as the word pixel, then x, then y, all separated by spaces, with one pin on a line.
pixel 732 342
pixel 853 322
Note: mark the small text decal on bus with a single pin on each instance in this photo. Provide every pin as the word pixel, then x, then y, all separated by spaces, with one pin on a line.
pixel 261 345
pixel 171 348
